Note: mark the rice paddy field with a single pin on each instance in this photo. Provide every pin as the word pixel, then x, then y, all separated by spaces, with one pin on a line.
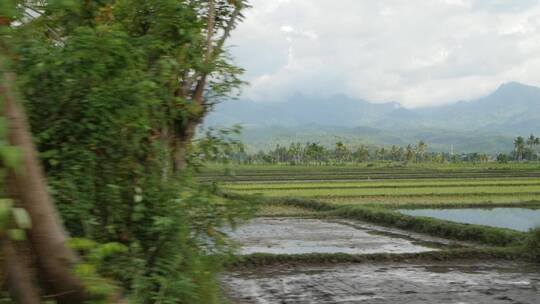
pixel 387 185
pixel 330 230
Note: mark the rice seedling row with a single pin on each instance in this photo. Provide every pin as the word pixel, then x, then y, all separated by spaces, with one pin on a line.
pixel 337 186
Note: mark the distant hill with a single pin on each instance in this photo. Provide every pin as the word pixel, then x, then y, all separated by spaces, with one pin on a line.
pixel 297 110
pixel 487 124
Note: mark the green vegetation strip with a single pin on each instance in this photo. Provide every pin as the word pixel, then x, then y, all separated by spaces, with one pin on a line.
pixel 316 193
pixel 380 166
pixel 365 175
pixel 533 204
pixel 273 171
pixel 427 195
pixel 263 259
pixel 460 200
pixel 368 185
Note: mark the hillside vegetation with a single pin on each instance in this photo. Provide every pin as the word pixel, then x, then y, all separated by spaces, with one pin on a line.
pixel 487 124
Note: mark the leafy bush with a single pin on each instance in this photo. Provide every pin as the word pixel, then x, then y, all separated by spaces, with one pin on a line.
pixel 533 244
pixel 100 80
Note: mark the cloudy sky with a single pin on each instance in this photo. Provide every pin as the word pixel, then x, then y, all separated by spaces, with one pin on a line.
pixel 416 52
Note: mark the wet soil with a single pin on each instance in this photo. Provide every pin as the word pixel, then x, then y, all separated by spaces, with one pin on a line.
pixel 474 282
pixel 299 236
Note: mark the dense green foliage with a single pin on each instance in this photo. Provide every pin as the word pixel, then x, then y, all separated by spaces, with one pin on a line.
pixel 9 155
pixel 314 153
pixel 103 87
pixel 525 149
pixel 533 244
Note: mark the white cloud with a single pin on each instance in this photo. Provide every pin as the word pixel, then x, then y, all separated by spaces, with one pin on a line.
pixel 286 29
pixel 416 52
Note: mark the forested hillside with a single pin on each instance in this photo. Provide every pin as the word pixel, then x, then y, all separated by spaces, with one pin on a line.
pixel 484 125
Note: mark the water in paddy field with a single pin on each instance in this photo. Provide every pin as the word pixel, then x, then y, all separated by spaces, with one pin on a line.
pixel 301 236
pixel 521 219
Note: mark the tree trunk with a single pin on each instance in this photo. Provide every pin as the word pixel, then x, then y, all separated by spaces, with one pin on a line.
pixel 47 236
pixel 19 276
pixel 181 145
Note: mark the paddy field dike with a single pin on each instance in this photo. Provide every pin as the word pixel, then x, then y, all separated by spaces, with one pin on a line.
pixel 384 233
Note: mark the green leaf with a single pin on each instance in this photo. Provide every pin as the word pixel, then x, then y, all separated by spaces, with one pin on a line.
pixel 22 219
pixel 81 244
pixel 5 212
pixel 17 234
pixel 3 127
pixel 106 250
pixel 85 269
pixel 11 156
pixel 8 8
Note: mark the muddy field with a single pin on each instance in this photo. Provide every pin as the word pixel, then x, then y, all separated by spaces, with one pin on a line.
pixel 472 282
pixel 394 276
pixel 298 236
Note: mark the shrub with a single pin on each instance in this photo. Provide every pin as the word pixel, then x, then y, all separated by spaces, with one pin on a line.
pixel 533 244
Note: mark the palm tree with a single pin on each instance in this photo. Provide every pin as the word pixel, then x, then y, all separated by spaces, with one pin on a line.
pixel 421 148
pixel 531 141
pixel 536 143
pixel 295 153
pixel 484 158
pixel 362 154
pixel 396 152
pixel 314 152
pixel 409 153
pixel 342 152
pixel 519 145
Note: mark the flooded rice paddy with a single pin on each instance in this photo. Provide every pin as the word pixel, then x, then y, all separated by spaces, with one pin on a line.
pixel 473 282
pixel 520 219
pixel 299 236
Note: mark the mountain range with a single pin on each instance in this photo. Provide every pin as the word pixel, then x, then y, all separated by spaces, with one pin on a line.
pixel 487 124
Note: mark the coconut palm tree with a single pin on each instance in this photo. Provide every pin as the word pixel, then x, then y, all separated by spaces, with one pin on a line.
pixel 381 153
pixel 342 153
pixel 409 153
pixel 532 142
pixel 396 152
pixel 519 145
pixel 421 148
pixel 362 154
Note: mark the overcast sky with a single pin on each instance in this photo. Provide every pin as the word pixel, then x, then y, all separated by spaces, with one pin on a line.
pixel 416 52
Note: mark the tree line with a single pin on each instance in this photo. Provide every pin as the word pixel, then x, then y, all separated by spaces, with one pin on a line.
pixel 524 149
pixel 296 153
pixel 316 154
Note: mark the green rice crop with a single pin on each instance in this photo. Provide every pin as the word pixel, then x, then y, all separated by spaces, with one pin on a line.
pixel 378 184
pixel 360 192
pixel 443 200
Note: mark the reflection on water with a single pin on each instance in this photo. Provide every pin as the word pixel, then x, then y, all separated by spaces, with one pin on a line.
pixel 520 219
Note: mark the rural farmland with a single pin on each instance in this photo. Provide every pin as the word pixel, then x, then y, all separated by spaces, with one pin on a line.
pixel 328 234
pixel 269 152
